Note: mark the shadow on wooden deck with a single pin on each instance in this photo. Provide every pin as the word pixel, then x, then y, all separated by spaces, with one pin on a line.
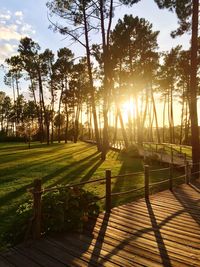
pixel 164 231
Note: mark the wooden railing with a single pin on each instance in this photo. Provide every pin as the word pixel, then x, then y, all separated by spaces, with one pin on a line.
pixel 166 148
pixel 151 147
pixel 37 190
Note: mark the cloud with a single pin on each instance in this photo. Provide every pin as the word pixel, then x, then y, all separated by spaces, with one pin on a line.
pixel 19 14
pixel 13 27
pixel 9 32
pixel 5 15
pixel 7 50
pixel 27 29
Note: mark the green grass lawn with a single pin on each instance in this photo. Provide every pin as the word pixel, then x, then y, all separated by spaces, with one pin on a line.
pixel 63 164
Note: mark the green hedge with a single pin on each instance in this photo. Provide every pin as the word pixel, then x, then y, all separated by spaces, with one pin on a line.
pixel 62 211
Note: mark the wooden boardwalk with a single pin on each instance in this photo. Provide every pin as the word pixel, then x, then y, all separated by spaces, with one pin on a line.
pixel 164 231
pixel 163 157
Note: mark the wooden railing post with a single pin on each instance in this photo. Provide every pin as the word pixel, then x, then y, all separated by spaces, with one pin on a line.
pixel 187 173
pixel 37 208
pixel 108 190
pixel 146 181
pixel 171 176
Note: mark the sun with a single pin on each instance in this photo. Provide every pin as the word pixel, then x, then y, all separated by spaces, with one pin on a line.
pixel 128 109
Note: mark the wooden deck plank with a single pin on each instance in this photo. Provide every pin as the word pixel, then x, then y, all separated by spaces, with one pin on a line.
pixel 5 263
pixel 134 227
pixel 178 228
pixel 164 231
pixel 37 256
pixel 179 213
pixel 62 256
pixel 96 255
pixel 85 252
pixel 149 235
pixel 127 258
pixel 144 249
pixel 17 259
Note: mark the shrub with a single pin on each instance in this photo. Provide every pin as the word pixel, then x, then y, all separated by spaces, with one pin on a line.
pixel 62 211
pixel 10 138
pixel 132 151
pixel 150 159
pixel 17 229
pixel 65 210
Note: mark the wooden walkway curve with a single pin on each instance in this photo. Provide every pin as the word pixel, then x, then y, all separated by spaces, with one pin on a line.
pixel 164 231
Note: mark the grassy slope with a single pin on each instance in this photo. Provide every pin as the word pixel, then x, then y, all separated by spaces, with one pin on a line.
pixel 61 164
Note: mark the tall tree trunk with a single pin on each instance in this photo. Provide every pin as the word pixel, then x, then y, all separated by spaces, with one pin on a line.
pixel 155 114
pixel 130 122
pixel 13 88
pixel 53 113
pixel 139 129
pixel 151 123
pixel 92 89
pixel 66 125
pixel 115 127
pixel 172 115
pixel 145 112
pixel 169 117
pixel 107 76
pixel 164 108
pixel 123 128
pixel 186 133
pixel 76 123
pixel 182 116
pixel 193 87
pixel 37 109
pixel 43 105
pixel 59 113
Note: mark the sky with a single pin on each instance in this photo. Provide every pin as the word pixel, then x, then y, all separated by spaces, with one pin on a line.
pixel 20 18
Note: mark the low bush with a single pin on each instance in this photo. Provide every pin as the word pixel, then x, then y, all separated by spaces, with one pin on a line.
pixel 133 151
pixel 151 159
pixel 62 211
pixel 10 138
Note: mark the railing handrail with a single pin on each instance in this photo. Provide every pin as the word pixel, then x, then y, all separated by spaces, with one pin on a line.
pixel 48 189
pixel 37 191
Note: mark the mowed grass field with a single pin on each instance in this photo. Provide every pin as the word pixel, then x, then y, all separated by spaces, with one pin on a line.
pixel 63 164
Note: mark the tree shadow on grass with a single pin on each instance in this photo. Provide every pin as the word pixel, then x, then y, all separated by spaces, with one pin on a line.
pixel 28 154
pixel 37 165
pixel 82 165
pixel 29 166
pixel 73 174
pixel 92 171
pixel 129 165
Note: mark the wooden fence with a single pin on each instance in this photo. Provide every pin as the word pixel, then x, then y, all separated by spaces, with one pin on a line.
pixel 166 148
pixel 160 148
pixel 37 190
